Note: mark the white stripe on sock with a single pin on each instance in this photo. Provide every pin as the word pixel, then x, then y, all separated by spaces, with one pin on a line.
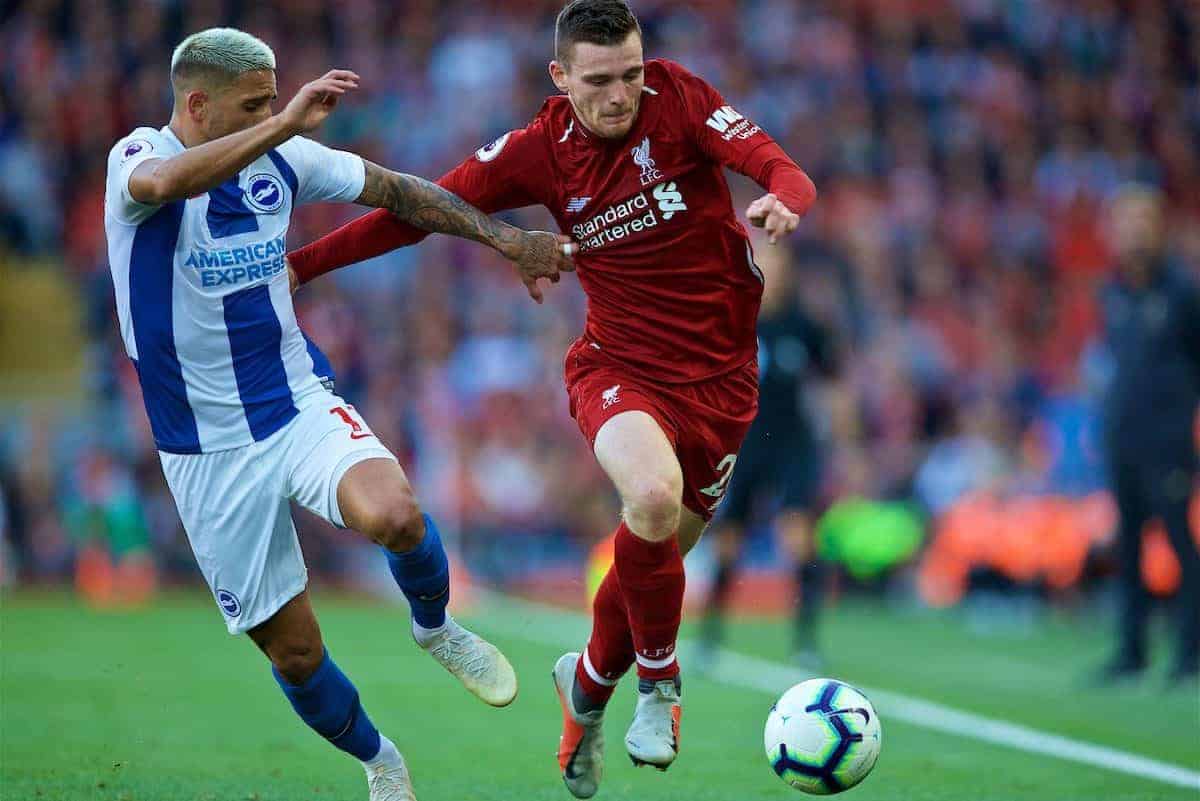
pixel 425 636
pixel 655 664
pixel 388 755
pixel 593 674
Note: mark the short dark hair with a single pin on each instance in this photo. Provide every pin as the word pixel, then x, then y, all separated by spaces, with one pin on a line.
pixel 602 22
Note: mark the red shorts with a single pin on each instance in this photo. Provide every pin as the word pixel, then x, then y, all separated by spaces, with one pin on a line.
pixel 705 421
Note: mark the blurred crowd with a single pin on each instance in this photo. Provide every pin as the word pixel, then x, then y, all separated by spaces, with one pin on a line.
pixel 963 151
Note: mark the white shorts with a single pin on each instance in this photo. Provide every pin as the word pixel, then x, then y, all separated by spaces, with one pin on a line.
pixel 234 505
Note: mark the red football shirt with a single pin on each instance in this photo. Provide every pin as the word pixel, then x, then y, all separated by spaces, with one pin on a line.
pixel 672 288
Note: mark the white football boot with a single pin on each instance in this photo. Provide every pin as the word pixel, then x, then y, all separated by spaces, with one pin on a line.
pixel 387 775
pixel 653 736
pixel 581 744
pixel 478 664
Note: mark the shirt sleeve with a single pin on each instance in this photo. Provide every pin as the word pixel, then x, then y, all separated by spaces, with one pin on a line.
pixel 143 144
pixel 727 137
pixel 322 173
pixel 509 173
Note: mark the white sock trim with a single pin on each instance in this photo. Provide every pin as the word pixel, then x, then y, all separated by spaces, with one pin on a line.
pixel 388 754
pixel 593 674
pixel 655 664
pixel 423 636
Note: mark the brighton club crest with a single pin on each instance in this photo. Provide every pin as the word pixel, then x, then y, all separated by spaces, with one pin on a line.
pixel 641 157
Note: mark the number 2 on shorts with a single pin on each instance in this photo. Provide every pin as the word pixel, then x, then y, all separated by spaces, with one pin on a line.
pixel 725 468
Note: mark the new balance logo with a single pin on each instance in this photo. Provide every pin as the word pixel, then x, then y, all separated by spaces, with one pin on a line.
pixel 576 204
pixel 610 397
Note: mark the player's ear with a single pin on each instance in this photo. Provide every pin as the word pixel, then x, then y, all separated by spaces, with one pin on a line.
pixel 558 74
pixel 196 104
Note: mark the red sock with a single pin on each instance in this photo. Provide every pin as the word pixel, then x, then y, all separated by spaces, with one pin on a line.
pixel 609 651
pixel 652 581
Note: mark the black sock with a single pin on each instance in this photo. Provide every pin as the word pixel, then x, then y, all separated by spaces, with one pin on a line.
pixel 718 597
pixel 811 578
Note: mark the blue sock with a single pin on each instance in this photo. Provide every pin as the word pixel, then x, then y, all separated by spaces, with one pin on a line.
pixel 328 703
pixel 423 575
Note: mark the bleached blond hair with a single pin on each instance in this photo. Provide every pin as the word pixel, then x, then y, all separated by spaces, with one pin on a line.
pixel 217 56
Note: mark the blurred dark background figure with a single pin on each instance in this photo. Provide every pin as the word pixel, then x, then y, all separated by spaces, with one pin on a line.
pixel 778 475
pixel 1152 321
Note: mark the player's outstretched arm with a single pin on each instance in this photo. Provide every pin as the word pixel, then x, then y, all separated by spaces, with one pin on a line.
pixel 507 174
pixel 200 168
pixel 425 205
pixel 790 192
pixel 728 138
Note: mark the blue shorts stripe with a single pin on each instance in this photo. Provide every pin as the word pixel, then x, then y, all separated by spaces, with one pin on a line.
pixel 151 282
pixel 255 338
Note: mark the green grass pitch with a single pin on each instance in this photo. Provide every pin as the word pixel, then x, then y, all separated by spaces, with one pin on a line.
pixel 162 705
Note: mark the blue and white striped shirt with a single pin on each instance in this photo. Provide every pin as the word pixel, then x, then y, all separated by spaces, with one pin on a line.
pixel 202 293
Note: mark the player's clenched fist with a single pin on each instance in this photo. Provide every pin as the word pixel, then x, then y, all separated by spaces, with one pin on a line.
pixel 316 99
pixel 540 254
pixel 769 213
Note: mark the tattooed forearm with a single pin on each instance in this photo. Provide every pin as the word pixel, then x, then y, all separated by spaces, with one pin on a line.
pixel 536 254
pixel 426 205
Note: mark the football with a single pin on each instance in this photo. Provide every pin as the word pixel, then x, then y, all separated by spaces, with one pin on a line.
pixel 822 736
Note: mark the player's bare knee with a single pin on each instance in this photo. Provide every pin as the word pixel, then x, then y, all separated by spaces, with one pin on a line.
pixel 297 658
pixel 652 507
pixel 398 525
